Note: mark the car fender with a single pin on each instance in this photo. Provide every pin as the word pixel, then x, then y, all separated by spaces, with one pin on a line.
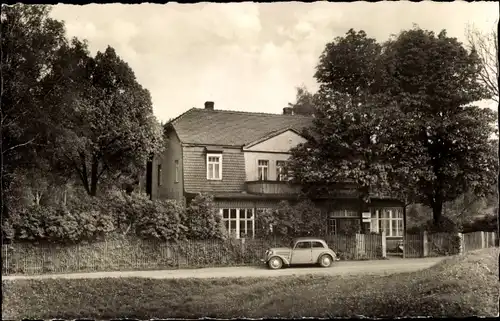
pixel 285 260
pixel 331 253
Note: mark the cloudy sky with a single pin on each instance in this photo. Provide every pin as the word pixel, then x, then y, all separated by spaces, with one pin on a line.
pixel 246 56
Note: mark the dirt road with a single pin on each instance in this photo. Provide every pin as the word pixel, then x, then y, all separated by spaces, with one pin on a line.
pixel 339 268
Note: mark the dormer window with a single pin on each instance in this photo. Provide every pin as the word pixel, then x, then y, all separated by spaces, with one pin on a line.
pixel 263 169
pixel 214 166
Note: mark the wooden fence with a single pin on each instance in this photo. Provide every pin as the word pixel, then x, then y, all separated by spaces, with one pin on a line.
pixel 441 244
pixel 136 254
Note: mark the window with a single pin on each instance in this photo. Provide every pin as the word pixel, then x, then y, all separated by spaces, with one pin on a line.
pixel 263 169
pixel 391 221
pixel 239 222
pixel 159 175
pixel 344 213
pixel 317 245
pixel 303 245
pixel 281 174
pixel 332 226
pixel 176 171
pixel 214 166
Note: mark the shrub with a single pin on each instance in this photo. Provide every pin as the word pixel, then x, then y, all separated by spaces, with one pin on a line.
pixel 288 220
pixel 203 220
pixel 28 224
pixel 264 223
pixel 349 227
pixel 445 225
pixel 161 220
pixel 488 223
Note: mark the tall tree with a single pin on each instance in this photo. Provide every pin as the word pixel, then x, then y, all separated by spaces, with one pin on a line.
pixel 107 129
pixel 486 46
pixel 401 117
pixel 348 66
pixel 29 43
pixel 304 102
pixel 346 141
pixel 441 147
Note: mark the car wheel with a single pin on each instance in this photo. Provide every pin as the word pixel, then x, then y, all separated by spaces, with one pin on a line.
pixel 275 263
pixel 325 260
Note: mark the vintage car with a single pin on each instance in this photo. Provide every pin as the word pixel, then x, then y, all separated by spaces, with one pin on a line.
pixel 304 250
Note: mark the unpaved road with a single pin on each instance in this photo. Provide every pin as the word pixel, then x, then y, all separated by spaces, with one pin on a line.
pixel 339 268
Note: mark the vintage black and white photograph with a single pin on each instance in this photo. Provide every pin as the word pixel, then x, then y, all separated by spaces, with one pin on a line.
pixel 249 160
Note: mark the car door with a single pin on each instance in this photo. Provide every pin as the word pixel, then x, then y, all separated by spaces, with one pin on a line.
pixel 316 249
pixel 301 253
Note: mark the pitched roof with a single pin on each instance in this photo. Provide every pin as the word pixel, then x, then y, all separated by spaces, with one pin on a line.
pixel 232 128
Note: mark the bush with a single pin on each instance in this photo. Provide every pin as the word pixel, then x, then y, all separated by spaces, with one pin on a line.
pixel 161 220
pixel 203 220
pixel 488 223
pixel 301 219
pixel 58 224
pixel 445 225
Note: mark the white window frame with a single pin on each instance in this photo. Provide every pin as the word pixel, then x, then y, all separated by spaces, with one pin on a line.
pixel 332 220
pixel 262 167
pixel 176 171
pixel 281 175
pixel 219 162
pixel 395 215
pixel 238 219
pixel 344 212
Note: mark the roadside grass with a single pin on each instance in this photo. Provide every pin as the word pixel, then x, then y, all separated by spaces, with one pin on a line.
pixel 458 286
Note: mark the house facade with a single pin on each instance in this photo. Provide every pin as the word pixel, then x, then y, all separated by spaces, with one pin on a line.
pixel 240 158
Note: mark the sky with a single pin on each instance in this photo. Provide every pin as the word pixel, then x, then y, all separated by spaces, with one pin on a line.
pixel 247 56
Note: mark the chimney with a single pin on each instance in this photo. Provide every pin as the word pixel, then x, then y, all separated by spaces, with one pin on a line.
pixel 288 111
pixel 209 105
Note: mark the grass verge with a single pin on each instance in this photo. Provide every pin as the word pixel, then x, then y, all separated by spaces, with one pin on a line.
pixel 459 286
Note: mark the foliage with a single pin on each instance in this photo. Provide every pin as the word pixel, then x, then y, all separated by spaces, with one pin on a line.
pixel 349 227
pixel 86 218
pixel 107 129
pixel 161 220
pixel 29 42
pixel 348 66
pixel 398 117
pixel 487 223
pixel 486 46
pixel 203 220
pixel 65 114
pixel 58 224
pixel 304 102
pixel 443 149
pixel 346 141
pixel 301 219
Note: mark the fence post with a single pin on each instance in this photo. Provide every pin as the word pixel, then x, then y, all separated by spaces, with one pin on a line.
pixel 425 247
pixel 461 247
pixel 384 245
pixel 483 245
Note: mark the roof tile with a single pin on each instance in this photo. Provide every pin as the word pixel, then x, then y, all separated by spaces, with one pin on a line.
pixel 232 128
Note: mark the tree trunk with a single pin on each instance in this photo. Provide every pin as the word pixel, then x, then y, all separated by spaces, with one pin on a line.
pixel 437 210
pixel 94 176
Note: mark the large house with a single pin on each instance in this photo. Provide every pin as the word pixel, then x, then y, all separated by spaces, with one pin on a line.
pixel 240 158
